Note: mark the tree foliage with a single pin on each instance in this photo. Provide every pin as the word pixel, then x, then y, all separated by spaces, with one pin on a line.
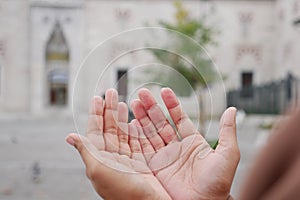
pixel 202 73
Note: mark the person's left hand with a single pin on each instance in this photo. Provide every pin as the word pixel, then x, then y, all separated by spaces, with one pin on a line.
pixel 112 153
pixel 186 166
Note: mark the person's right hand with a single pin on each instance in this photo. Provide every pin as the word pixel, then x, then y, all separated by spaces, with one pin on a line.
pixel 112 154
pixel 275 172
pixel 187 167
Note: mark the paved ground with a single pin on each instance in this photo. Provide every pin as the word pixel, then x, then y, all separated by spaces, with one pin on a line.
pixel 37 164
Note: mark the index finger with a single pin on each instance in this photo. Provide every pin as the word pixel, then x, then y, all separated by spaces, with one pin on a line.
pixel 182 122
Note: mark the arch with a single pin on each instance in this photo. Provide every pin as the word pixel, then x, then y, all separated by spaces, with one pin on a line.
pixel 57 67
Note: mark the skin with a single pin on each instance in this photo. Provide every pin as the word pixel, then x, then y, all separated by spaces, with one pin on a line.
pixel 107 141
pixel 275 174
pixel 152 162
pixel 193 170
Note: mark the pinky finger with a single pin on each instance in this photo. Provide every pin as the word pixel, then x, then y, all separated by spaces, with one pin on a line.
pixel 136 150
pixel 147 148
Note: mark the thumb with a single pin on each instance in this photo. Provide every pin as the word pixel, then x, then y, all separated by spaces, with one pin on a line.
pixel 85 149
pixel 228 140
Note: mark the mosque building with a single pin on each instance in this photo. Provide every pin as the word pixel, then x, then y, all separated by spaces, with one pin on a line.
pixel 43 42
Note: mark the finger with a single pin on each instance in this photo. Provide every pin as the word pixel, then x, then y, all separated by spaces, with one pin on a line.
pixel 85 149
pixel 228 140
pixel 157 116
pixel 184 125
pixel 136 149
pixel 95 123
pixel 110 121
pixel 124 148
pixel 147 125
pixel 147 148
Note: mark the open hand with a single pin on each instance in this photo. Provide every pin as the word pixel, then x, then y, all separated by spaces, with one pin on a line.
pixel 187 167
pixel 112 153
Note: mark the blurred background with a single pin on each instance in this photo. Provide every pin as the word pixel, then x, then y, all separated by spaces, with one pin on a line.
pixel 250 61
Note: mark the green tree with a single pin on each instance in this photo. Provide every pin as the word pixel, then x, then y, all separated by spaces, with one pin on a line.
pixel 201 73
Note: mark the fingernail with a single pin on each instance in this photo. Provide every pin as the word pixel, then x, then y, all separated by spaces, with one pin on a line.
pixel 229 116
pixel 166 89
pixel 71 141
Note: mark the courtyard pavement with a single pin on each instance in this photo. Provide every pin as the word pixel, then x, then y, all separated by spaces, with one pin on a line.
pixel 37 164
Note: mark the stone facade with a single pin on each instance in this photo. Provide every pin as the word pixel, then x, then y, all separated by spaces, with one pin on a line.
pixel 257 37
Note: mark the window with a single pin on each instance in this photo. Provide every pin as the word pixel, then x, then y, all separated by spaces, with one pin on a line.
pixel 122 83
pixel 247 78
pixel 57 59
pixel 247 83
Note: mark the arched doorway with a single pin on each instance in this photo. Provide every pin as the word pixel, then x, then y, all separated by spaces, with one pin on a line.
pixel 57 68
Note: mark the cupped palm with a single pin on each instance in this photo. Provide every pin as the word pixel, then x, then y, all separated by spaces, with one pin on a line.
pixel 186 166
pixel 112 154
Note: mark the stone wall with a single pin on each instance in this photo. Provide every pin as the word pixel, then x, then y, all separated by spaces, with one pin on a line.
pixel 14 55
pixel 255 36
